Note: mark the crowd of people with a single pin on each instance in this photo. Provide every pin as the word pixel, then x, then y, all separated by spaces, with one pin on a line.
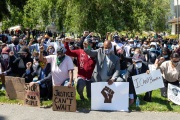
pixel 49 60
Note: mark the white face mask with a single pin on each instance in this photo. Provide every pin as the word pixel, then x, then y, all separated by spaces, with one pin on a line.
pixel 138 65
pixel 108 51
pixel 5 56
pixel 131 45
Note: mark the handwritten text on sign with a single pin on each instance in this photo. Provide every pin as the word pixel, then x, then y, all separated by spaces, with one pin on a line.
pixel 64 98
pixel 32 95
pixel 147 82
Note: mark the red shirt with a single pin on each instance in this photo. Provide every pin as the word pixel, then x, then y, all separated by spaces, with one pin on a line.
pixel 85 63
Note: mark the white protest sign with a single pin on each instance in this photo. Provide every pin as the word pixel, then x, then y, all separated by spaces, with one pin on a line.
pixel 147 82
pixel 174 94
pixel 110 97
pixel 152 67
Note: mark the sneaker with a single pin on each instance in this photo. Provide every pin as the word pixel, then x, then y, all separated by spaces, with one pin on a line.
pixel 82 98
pixel 3 88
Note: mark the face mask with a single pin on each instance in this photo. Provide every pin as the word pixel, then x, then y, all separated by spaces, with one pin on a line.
pixel 138 65
pixel 22 56
pixel 16 42
pixel 152 49
pixel 60 57
pixel 132 52
pixel 131 45
pixel 5 56
pixel 51 51
pixel 165 56
pixel 36 58
pixel 106 51
pixel 175 63
pixel 116 40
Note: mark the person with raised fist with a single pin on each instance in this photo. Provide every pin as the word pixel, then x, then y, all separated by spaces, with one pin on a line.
pixel 85 65
pixel 61 67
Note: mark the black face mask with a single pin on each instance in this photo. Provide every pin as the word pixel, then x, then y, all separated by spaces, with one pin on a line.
pixel 72 43
pixel 61 57
pixel 16 42
pixel 22 56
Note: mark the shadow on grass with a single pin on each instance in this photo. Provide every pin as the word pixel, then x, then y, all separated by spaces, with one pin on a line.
pixel 83 106
pixel 160 100
pixel 2 93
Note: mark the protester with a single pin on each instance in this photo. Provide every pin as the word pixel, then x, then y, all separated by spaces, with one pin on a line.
pixel 61 67
pixel 14 46
pixel 36 46
pixel 138 67
pixel 85 65
pixel 170 70
pixel 107 68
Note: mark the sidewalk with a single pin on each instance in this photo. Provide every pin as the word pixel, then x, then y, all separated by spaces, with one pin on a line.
pixel 17 112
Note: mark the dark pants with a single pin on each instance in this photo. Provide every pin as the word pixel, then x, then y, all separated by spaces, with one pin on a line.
pixel 2 79
pixel 80 87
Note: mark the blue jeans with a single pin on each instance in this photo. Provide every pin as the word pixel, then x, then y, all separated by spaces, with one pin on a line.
pixel 80 87
pixel 123 73
pixel 65 83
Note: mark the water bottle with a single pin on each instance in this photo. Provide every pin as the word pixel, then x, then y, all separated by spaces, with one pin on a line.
pixel 137 102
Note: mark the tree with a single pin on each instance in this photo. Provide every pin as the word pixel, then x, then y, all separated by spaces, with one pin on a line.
pixel 6 6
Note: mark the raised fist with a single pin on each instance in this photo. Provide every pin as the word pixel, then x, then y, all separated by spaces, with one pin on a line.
pixel 91 34
pixel 108 94
pixel 11 53
pixel 28 65
pixel 32 40
pixel 41 49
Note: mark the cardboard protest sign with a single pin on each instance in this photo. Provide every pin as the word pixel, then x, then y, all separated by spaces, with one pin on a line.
pixel 110 97
pixel 32 95
pixel 15 87
pixel 174 94
pixel 152 67
pixel 64 99
pixel 147 82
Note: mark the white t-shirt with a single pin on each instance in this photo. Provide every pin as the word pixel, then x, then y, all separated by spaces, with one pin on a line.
pixel 60 73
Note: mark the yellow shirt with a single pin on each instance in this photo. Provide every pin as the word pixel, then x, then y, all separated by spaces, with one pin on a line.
pixel 170 74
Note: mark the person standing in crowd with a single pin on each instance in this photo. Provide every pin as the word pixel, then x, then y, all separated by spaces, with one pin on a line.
pixel 50 50
pixel 107 68
pixel 61 67
pixel 128 47
pixel 170 70
pixel 14 46
pixel 85 34
pixel 36 46
pixel 138 67
pixel 85 65
pixel 165 56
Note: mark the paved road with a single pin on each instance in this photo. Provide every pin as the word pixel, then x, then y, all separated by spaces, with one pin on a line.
pixel 17 112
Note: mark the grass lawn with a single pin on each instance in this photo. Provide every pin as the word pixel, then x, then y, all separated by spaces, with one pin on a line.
pixel 159 103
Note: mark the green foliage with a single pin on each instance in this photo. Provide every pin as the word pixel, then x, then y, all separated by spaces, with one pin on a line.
pixel 96 15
